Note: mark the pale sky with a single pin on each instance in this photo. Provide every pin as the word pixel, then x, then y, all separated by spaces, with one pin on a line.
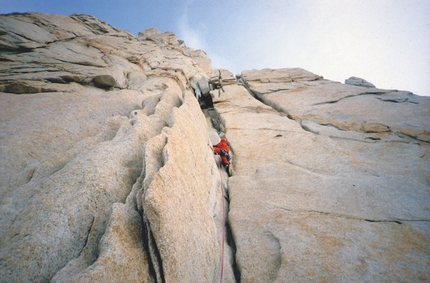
pixel 386 42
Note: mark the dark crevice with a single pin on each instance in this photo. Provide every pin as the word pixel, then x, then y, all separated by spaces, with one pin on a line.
pixel 88 236
pixel 216 122
pixel 145 240
pixel 20 71
pixel 413 138
pixel 58 80
pixel 398 100
pixel 365 140
pixel 159 260
pixel 376 92
pixel 220 128
pixel 206 102
pixel 331 101
pixel 276 90
pixel 10 50
pixel 334 101
pixel 376 221
pixel 2 59
pixel 307 129
pixel 231 243
pixel 245 85
pixel 208 105
pixel 339 215
pixel 333 126
pixel 373 138
pixel 354 95
pixel 155 264
pixel 398 221
pixel 281 111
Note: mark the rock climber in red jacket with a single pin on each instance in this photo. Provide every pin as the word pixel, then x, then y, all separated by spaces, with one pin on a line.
pixel 224 151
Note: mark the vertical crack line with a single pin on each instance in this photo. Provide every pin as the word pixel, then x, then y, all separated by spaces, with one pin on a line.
pixel 232 244
pixel 230 239
pixel 88 236
pixel 223 231
pixel 226 229
pixel 155 262
pixel 145 240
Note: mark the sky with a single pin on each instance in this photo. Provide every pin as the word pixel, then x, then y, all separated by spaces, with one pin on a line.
pixel 386 42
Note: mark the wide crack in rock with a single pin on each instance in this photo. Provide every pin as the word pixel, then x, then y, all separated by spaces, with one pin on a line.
pixel 306 101
pixel 323 191
pixel 71 157
pixel 107 171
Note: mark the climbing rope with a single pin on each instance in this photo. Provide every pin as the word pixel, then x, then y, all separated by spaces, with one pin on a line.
pixel 223 217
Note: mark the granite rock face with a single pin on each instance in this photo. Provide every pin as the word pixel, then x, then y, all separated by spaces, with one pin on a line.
pixel 107 172
pixel 94 123
pixel 331 181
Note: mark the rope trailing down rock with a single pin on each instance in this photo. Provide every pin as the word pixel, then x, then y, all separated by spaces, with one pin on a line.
pixel 223 218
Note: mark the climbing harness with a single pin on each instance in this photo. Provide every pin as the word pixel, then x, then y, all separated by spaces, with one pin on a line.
pixel 226 154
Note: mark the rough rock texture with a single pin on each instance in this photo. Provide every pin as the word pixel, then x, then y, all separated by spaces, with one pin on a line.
pixel 331 181
pixel 107 172
pixel 122 256
pixel 81 199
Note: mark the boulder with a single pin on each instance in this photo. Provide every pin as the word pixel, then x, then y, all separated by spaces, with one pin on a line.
pixel 358 82
pixel 105 81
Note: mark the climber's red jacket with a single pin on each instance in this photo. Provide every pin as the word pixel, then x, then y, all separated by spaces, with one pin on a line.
pixel 223 150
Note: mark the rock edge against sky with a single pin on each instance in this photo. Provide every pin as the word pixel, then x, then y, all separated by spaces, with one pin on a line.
pixel 107 172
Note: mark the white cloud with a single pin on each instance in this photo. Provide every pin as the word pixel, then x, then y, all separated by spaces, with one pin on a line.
pixel 189 35
pixel 385 42
pixel 193 38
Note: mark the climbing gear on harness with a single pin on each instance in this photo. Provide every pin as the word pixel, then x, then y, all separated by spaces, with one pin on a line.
pixel 224 151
